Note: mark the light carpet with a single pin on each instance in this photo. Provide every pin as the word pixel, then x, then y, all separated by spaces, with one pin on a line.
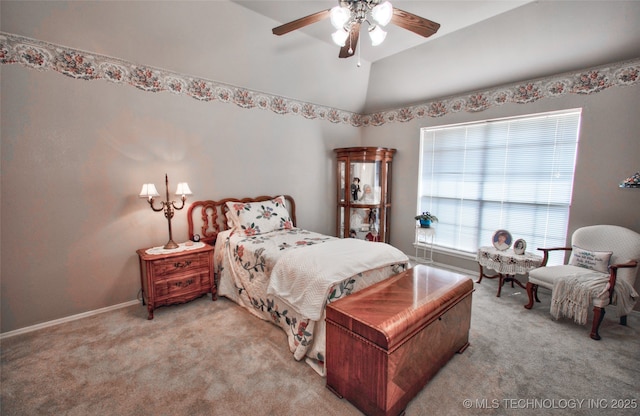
pixel 213 358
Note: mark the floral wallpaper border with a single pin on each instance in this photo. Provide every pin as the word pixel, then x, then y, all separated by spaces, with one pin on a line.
pixel 88 66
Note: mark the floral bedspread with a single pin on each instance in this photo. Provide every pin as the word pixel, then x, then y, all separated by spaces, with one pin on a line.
pixel 243 265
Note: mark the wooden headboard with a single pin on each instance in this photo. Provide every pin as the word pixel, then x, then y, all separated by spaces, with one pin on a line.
pixel 208 218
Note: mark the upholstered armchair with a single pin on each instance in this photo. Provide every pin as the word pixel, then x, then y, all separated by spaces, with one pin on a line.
pixel 601 271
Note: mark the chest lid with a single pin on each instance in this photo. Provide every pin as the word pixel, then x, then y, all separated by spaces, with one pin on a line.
pixel 391 311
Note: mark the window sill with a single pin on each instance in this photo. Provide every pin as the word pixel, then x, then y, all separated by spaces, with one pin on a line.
pixel 465 255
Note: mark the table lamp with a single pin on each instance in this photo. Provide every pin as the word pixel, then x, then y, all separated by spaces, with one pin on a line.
pixel 149 191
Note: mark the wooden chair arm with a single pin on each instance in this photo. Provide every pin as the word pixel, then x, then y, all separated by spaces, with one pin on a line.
pixel 613 273
pixel 546 251
pixel 630 263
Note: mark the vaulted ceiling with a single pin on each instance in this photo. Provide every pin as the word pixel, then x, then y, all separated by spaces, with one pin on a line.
pixel 480 44
pixel 452 15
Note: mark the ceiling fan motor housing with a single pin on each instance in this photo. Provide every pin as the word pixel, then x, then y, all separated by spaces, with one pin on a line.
pixel 359 9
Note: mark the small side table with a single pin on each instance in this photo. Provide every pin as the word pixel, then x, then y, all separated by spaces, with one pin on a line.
pixel 424 241
pixel 175 276
pixel 507 263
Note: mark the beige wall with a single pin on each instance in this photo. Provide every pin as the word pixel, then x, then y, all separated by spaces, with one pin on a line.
pixel 609 151
pixel 75 153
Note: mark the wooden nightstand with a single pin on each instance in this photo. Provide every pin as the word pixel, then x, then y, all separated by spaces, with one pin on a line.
pixel 179 277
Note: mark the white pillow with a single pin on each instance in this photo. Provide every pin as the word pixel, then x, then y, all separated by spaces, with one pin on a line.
pixel 593 260
pixel 253 218
pixel 232 220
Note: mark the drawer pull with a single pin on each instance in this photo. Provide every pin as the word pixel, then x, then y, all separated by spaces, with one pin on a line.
pixel 185 283
pixel 182 265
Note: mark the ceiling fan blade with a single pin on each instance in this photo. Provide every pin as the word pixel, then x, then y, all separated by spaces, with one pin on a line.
pixel 300 23
pixel 349 47
pixel 416 24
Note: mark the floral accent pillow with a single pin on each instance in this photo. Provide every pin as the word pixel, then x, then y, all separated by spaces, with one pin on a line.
pixel 253 218
pixel 592 260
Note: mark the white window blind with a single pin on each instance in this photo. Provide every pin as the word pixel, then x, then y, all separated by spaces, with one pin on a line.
pixel 514 174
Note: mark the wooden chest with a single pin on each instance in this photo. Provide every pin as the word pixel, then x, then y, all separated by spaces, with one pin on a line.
pixel 387 341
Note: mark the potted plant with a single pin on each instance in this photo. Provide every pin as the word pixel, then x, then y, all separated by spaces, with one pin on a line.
pixel 426 218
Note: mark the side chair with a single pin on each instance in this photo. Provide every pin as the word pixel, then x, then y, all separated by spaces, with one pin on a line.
pixel 603 267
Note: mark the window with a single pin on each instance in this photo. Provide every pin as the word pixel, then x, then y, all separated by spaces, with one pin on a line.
pixel 514 174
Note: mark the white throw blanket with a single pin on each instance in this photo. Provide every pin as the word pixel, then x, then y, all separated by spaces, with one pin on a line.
pixel 572 295
pixel 303 278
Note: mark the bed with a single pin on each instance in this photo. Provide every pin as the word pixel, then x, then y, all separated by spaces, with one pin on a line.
pixel 284 274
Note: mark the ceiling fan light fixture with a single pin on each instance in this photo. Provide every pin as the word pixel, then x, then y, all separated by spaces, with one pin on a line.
pixel 339 16
pixel 349 16
pixel 382 13
pixel 340 37
pixel 377 35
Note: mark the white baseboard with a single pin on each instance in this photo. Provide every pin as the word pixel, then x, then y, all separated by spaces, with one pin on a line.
pixel 67 319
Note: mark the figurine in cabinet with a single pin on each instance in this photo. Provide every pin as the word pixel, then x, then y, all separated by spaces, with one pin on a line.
pixel 355 188
pixel 367 195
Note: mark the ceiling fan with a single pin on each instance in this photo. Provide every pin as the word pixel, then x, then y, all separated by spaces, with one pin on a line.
pixel 349 15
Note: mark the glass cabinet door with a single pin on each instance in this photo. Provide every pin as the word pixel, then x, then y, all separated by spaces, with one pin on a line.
pixel 363 207
pixel 365 182
pixel 364 223
pixel 342 174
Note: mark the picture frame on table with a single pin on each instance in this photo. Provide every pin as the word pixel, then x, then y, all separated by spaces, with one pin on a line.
pixel 502 240
pixel 519 246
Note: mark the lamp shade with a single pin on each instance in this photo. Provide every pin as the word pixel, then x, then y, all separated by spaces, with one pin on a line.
pixel 339 16
pixel 340 37
pixel 377 35
pixel 382 13
pixel 148 191
pixel 183 189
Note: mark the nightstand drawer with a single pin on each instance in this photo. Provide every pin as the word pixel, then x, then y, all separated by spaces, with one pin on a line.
pixel 171 266
pixel 185 283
